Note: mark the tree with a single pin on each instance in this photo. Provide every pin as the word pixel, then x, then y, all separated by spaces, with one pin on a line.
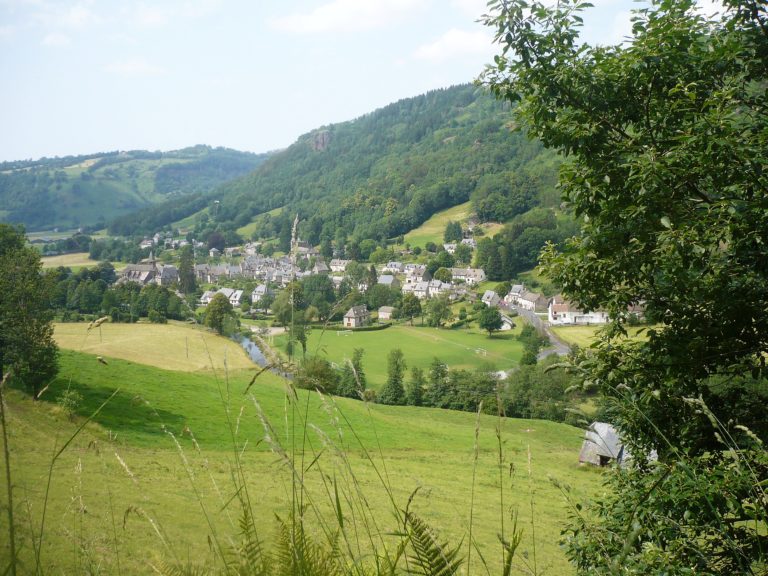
pixel 463 253
pixel 353 382
pixel 666 139
pixel 438 311
pixel 393 392
pixel 27 348
pixel 452 232
pixel 490 320
pixel 443 274
pixel 187 283
pixel 219 313
pixel 410 307
pixel 414 391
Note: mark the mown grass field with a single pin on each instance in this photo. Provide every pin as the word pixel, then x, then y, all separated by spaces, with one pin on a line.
pixel 73 260
pixel 584 336
pixel 125 496
pixel 433 229
pixel 173 346
pixel 460 348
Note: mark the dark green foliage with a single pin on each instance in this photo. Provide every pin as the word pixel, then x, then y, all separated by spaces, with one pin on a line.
pixel 532 342
pixel 666 139
pixel 219 314
pixel 490 320
pixel 438 311
pixel 385 173
pixel 499 197
pixel 393 391
pixel 410 307
pixel 316 373
pixel 59 192
pixel 539 391
pixel 414 389
pixel 352 381
pixel 27 348
pixel 187 283
pixel 453 232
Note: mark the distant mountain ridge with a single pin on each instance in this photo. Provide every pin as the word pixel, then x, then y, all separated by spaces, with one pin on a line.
pixel 91 190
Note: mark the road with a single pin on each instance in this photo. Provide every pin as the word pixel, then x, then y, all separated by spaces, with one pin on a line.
pixel 556 346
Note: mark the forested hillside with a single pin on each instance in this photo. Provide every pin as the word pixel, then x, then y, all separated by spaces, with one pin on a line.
pixel 384 173
pixel 81 191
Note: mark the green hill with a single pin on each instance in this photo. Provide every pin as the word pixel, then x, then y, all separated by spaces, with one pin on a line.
pixel 385 173
pixel 89 191
pixel 151 478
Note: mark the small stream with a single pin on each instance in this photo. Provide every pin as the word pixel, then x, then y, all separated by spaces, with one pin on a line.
pixel 253 351
pixel 255 354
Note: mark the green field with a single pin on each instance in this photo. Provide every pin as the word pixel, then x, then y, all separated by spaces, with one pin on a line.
pixel 584 336
pixel 247 230
pixel 173 346
pixel 124 495
pixel 189 221
pixel 459 349
pixel 73 260
pixel 432 230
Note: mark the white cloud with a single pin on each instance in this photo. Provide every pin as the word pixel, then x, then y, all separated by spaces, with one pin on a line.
pixel 457 43
pixel 472 8
pixel 201 8
pixel 347 15
pixel 64 15
pixel 56 39
pixel 78 16
pixel 134 68
pixel 151 16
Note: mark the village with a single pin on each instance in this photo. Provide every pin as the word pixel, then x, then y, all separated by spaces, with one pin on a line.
pixel 230 272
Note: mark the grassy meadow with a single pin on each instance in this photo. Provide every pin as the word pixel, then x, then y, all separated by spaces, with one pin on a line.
pixel 459 349
pixel 153 476
pixel 432 230
pixel 584 336
pixel 73 260
pixel 173 346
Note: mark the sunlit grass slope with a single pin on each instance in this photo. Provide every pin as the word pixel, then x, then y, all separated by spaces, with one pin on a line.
pixel 124 495
pixel 173 346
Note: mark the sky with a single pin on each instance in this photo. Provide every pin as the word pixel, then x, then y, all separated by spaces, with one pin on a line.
pixel 89 76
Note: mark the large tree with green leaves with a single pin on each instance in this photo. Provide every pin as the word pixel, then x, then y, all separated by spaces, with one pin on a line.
pixel 666 137
pixel 27 348
pixel 219 315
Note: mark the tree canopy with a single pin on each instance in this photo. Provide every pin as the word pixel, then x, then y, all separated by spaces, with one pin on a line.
pixel 666 138
pixel 27 347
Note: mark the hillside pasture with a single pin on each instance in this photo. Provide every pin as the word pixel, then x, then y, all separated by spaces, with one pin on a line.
pixel 73 260
pixel 433 229
pixel 459 349
pixel 173 346
pixel 150 479
pixel 247 230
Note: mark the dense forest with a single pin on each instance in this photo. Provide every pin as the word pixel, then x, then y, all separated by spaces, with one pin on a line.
pixel 381 175
pixel 91 190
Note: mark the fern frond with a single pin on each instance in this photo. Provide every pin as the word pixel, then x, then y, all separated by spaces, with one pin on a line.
pixel 175 569
pixel 298 555
pixel 430 558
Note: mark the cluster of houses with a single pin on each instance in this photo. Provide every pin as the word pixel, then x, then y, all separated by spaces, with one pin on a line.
pixel 409 278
